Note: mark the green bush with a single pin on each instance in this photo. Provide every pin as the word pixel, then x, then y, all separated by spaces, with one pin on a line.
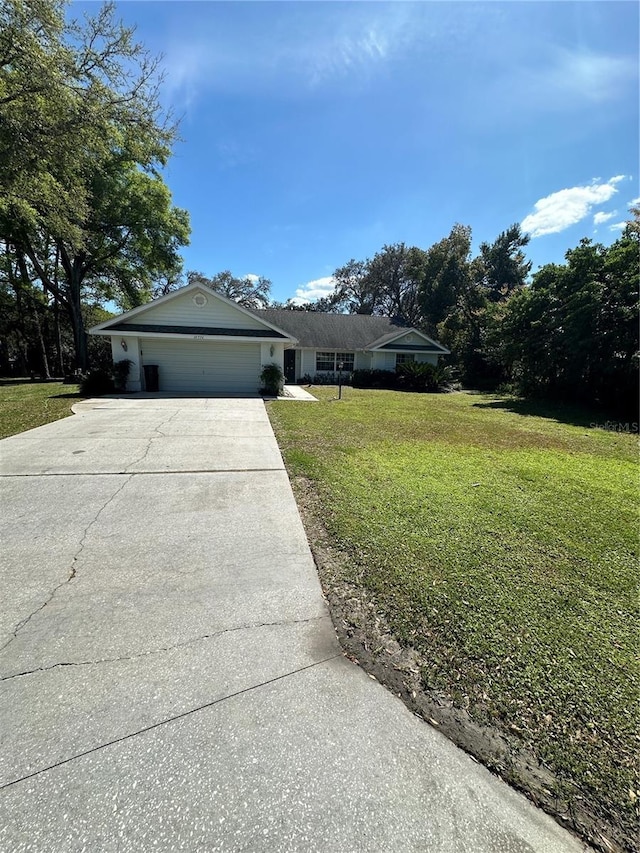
pixel 96 383
pixel 121 373
pixel 378 379
pixel 272 379
pixel 422 376
pixel 332 378
pixel 411 376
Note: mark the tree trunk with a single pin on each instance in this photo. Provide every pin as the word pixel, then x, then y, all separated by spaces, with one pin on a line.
pixel 58 335
pixel 56 315
pixel 43 349
pixel 79 333
pixel 26 283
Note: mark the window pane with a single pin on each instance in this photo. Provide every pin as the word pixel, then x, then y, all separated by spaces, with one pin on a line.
pixel 325 361
pixel 347 360
pixel 404 357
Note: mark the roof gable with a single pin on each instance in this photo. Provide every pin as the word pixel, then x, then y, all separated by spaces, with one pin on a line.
pixel 194 305
pixel 409 340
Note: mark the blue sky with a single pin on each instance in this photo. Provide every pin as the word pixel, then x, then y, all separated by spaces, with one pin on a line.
pixel 316 132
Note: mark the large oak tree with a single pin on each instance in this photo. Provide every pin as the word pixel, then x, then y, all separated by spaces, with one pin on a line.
pixel 82 141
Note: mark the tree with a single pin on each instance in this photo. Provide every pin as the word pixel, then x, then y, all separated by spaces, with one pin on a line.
pixel 385 284
pixel 87 212
pixel 446 276
pixel 394 275
pixel 574 332
pixel 249 291
pixel 504 265
pixel 353 291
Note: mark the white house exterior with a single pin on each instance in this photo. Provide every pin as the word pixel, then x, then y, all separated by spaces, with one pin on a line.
pixel 200 341
pixel 357 341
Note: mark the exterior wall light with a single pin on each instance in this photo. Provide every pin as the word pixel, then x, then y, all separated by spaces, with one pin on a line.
pixel 123 344
pixel 271 350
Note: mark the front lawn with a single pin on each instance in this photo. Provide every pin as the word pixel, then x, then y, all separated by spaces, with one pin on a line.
pixel 500 546
pixel 25 405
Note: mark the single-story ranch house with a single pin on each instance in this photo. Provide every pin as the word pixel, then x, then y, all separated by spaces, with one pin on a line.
pixel 203 342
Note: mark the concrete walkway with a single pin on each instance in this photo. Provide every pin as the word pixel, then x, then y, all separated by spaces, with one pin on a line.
pixel 170 675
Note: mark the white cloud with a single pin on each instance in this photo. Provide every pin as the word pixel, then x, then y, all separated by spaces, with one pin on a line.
pixel 635 201
pixel 306 49
pixel 601 217
pixel 564 208
pixel 573 77
pixel 252 276
pixel 617 226
pixel 344 53
pixel 312 290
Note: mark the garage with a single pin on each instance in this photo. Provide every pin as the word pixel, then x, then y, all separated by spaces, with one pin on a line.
pixel 205 367
pixel 201 341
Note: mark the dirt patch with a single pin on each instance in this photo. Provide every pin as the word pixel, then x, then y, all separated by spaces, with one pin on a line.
pixel 368 641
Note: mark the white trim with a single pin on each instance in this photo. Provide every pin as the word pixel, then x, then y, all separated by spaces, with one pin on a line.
pixel 191 337
pixel 103 328
pixel 385 343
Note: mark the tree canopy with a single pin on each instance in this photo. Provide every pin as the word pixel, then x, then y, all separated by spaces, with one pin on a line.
pixel 84 211
pixel 571 331
pixel 250 291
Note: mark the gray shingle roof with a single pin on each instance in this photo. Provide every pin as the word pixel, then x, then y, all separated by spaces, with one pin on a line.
pixel 331 331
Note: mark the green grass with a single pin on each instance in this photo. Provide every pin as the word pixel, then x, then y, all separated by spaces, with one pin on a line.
pixel 503 546
pixel 25 405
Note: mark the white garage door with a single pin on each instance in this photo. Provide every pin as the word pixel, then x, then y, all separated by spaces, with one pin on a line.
pixel 211 367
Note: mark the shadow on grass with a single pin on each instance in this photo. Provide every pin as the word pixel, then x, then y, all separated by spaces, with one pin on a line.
pixel 76 396
pixel 565 413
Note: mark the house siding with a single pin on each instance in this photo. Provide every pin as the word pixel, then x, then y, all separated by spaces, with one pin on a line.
pixel 386 359
pixel 118 353
pixel 306 361
pixel 182 311
pixel 376 360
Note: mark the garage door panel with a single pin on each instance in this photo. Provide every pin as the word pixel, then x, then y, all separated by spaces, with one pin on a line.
pixel 212 367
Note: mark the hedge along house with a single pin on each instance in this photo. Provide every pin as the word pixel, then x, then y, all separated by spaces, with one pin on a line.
pixel 357 341
pixel 200 341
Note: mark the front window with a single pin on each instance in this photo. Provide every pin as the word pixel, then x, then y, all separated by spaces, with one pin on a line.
pixel 347 361
pixel 328 362
pixel 325 361
pixel 404 357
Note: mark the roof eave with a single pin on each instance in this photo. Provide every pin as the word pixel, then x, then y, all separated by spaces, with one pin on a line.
pixel 287 340
pixel 196 285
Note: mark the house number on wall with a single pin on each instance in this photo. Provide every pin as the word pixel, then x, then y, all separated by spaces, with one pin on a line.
pixel 198 337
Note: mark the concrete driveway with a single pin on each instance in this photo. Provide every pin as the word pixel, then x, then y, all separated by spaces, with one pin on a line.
pixel 170 675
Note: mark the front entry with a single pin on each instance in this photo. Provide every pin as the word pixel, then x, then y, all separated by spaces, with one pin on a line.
pixel 289 365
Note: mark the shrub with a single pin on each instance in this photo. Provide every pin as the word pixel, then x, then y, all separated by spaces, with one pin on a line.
pixel 96 383
pixel 379 379
pixel 411 376
pixel 422 376
pixel 121 373
pixel 332 378
pixel 272 379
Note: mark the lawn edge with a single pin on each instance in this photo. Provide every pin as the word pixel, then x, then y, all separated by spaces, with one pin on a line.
pixel 44 417
pixel 368 641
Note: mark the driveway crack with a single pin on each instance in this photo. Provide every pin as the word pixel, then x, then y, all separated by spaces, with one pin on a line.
pixel 152 438
pixel 161 649
pixel 169 720
pixel 72 570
